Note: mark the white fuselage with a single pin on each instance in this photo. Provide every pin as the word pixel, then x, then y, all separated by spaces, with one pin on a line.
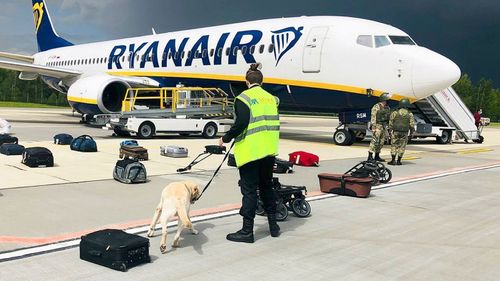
pixel 324 54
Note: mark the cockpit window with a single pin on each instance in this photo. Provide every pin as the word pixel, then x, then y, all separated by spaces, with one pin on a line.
pixel 381 41
pixel 401 40
pixel 365 40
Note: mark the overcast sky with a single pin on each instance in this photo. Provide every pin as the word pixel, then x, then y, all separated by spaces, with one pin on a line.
pixel 468 32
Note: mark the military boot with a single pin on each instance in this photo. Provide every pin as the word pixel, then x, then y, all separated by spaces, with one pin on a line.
pixel 393 160
pixel 399 161
pixel 274 228
pixel 243 235
pixel 377 158
pixel 370 156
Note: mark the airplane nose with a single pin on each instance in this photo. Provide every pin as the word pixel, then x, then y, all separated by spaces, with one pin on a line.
pixel 432 73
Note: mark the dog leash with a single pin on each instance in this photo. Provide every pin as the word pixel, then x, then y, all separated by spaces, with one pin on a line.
pixel 216 171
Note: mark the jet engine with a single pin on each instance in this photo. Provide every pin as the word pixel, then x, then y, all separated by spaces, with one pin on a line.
pixel 105 91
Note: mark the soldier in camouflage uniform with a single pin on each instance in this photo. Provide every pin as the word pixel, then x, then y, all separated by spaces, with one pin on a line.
pixel 379 122
pixel 400 123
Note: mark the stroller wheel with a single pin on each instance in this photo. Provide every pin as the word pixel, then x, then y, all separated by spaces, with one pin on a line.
pixel 281 212
pixel 385 175
pixel 260 208
pixel 301 208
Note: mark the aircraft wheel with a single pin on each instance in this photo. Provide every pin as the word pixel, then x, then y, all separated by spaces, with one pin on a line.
pixel 342 137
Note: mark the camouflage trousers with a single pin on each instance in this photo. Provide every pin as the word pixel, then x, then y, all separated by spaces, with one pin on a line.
pixel 378 139
pixel 398 143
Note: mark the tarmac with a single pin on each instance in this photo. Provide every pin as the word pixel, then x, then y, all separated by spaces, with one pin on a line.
pixel 438 219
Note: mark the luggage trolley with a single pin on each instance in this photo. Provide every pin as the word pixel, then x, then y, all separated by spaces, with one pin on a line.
pixel 290 198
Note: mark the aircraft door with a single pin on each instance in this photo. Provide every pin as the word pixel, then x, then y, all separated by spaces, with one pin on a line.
pixel 311 60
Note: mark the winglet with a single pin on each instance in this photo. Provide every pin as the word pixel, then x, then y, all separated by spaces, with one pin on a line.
pixel 46 36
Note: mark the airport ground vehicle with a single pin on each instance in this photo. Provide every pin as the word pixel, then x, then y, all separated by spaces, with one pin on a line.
pixel 443 116
pixel 185 111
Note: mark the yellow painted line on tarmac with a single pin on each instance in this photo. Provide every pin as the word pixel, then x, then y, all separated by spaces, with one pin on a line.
pixel 472 151
pixel 411 157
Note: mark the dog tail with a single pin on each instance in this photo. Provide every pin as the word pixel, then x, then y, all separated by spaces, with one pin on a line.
pixel 183 215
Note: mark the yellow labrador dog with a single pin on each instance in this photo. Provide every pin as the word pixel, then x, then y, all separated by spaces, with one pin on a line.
pixel 176 199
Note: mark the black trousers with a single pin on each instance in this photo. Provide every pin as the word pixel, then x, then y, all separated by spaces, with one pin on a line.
pixel 257 175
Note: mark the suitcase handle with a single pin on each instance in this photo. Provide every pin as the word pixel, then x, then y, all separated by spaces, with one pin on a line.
pixel 95 253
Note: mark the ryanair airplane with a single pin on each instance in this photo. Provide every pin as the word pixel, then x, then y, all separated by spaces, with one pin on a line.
pixel 321 63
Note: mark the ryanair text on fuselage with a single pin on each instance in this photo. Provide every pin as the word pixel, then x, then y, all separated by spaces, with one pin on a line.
pixel 173 50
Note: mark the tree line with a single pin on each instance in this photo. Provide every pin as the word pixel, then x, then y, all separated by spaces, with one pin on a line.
pixel 14 90
pixel 475 95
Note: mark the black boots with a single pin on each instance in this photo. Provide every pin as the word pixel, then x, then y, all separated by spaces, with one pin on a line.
pixel 377 158
pixel 399 161
pixel 393 161
pixel 243 235
pixel 370 156
pixel 273 226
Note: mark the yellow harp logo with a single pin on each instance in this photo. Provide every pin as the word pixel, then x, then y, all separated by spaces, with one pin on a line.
pixel 38 15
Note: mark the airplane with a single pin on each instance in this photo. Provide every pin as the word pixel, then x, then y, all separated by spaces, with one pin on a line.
pixel 316 63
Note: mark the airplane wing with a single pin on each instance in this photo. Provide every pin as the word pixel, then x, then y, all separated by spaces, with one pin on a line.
pixel 39 69
pixel 23 58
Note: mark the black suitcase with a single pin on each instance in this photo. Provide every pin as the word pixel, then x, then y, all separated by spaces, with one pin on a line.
pixel 8 139
pixel 63 139
pixel 115 249
pixel 282 166
pixel 11 149
pixel 37 156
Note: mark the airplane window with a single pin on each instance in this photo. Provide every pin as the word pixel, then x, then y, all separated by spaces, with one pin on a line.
pixel 176 56
pixel 164 56
pixel 365 40
pixel 252 49
pixel 219 52
pixel 244 50
pixel 261 49
pixel 183 53
pixel 105 60
pixel 190 54
pixel 169 55
pixel 212 52
pixel 123 58
pixel 401 40
pixel 204 53
pixel 271 48
pixel 227 51
pixel 235 51
pixel 381 41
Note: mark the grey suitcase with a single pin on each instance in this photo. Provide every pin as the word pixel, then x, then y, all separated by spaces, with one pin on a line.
pixel 174 151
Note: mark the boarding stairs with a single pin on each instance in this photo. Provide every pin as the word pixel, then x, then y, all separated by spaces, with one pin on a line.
pixel 446 109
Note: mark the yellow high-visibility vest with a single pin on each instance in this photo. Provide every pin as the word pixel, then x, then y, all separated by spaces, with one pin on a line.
pixel 261 138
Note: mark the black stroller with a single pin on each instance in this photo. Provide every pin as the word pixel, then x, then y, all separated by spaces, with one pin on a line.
pixel 290 198
pixel 209 150
pixel 376 170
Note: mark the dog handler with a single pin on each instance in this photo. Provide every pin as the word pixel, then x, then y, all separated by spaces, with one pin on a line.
pixel 256 136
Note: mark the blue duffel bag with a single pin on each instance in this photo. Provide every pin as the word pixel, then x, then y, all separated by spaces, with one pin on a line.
pixel 84 143
pixel 63 139
pixel 129 143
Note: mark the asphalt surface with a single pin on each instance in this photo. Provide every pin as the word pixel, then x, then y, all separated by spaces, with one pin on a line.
pixel 437 220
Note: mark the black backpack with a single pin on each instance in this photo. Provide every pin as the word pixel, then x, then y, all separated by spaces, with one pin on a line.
pixel 37 156
pixel 8 139
pixel 130 171
pixel 11 149
pixel 63 139
pixel 282 166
